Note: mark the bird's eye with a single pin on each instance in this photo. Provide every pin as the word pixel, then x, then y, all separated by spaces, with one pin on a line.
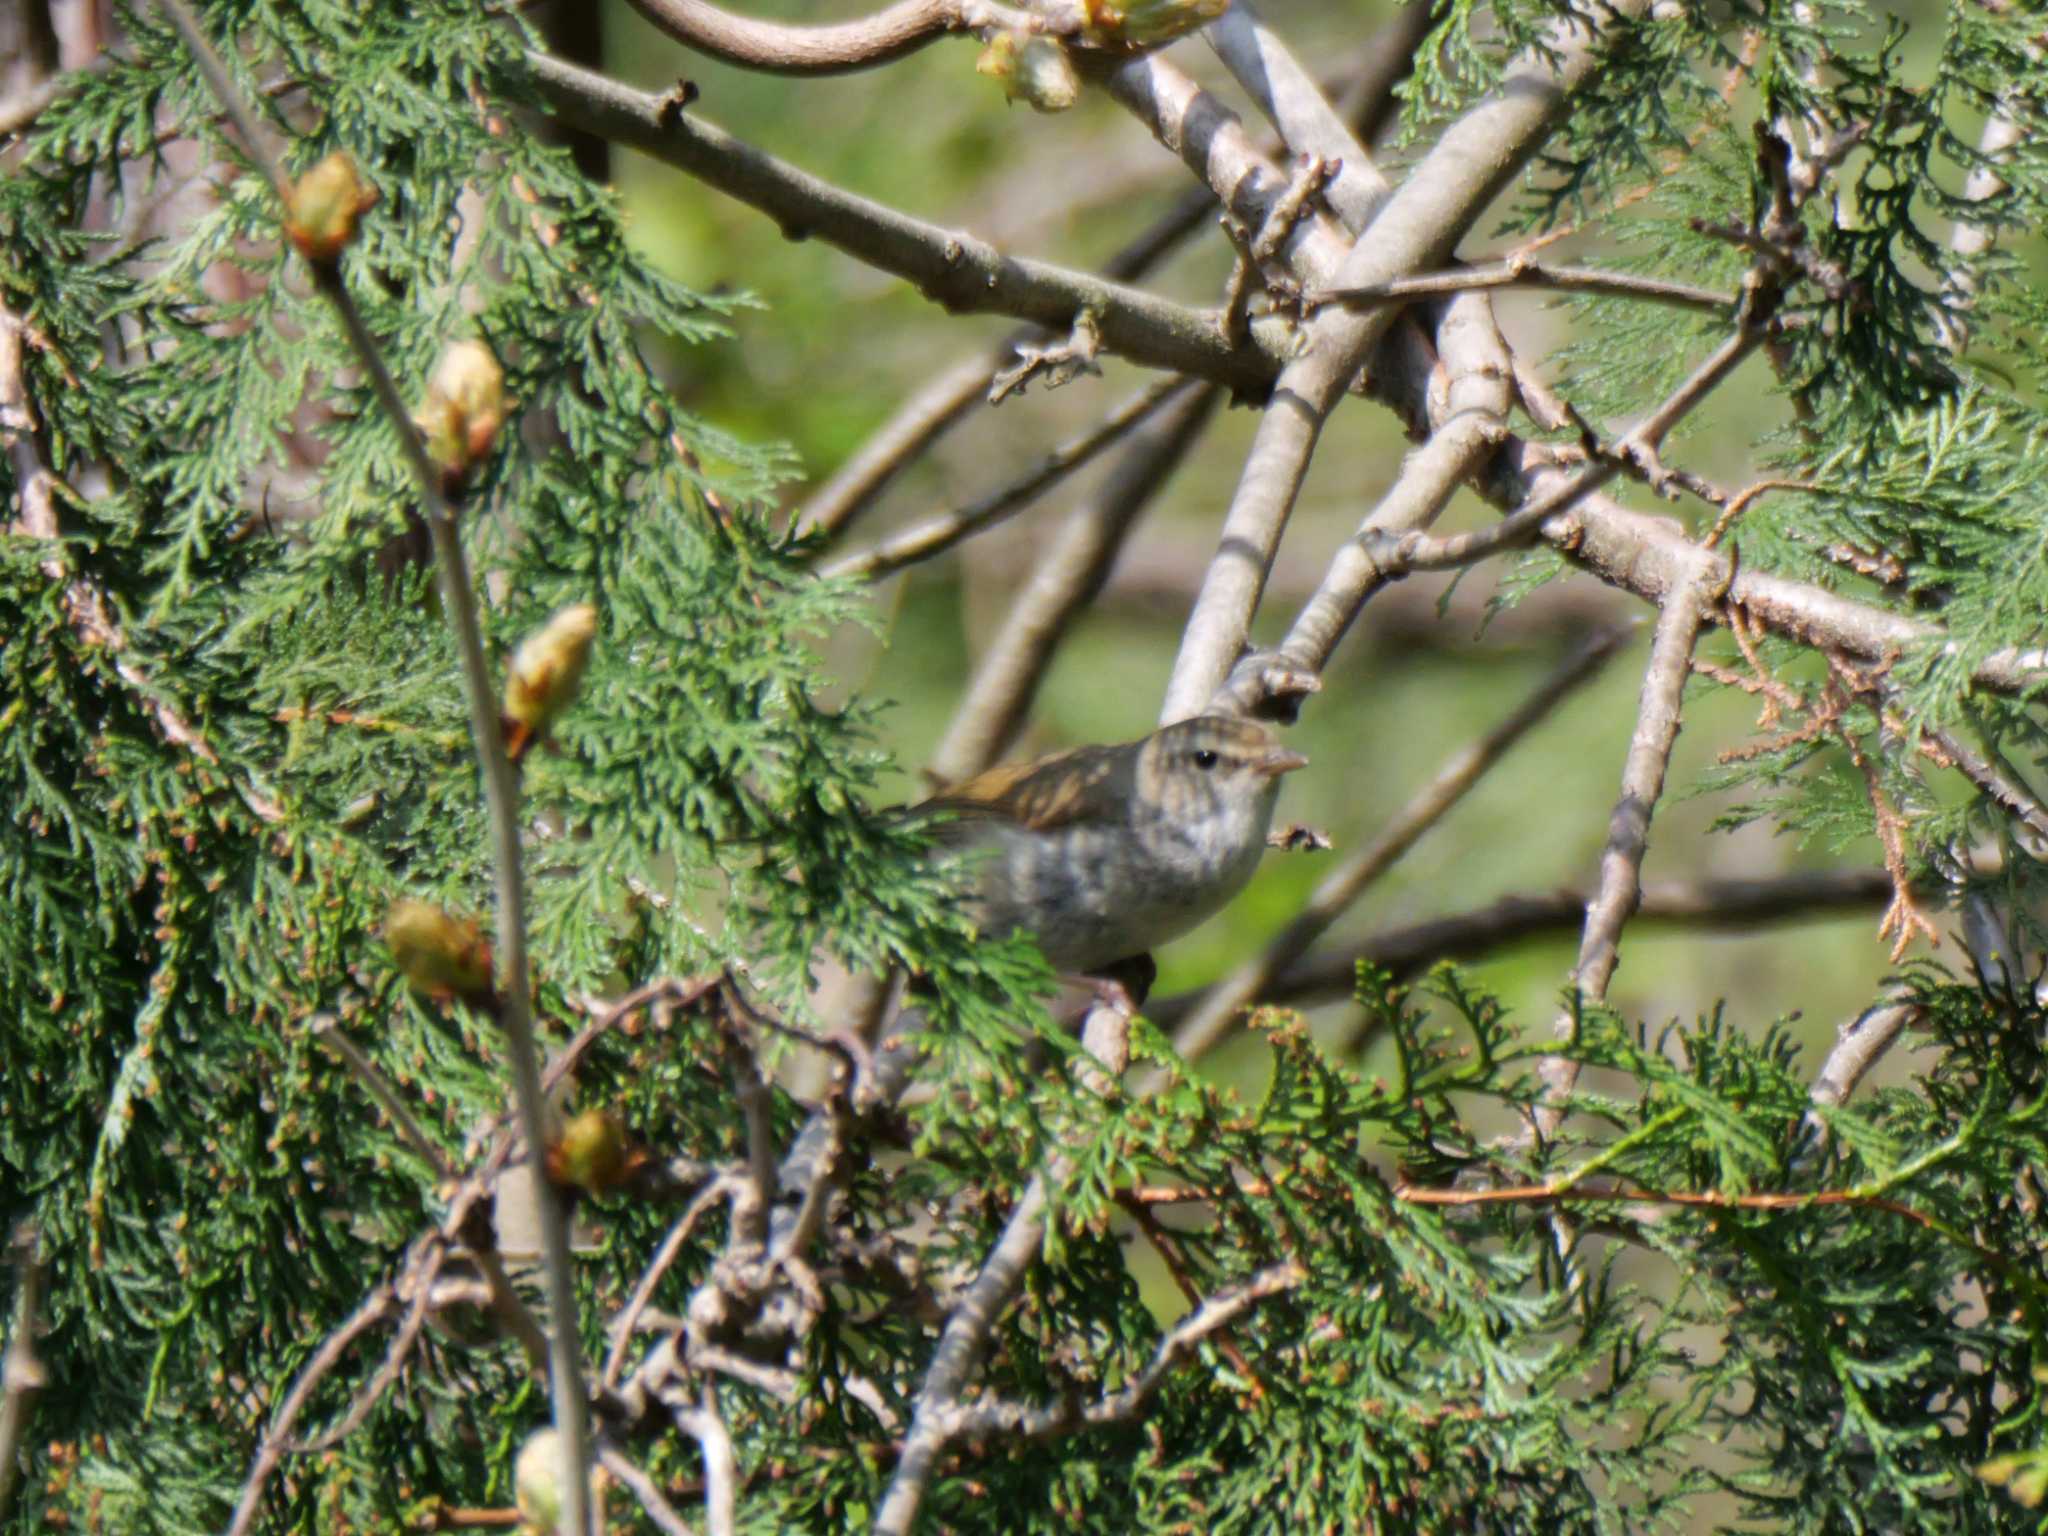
pixel 1205 758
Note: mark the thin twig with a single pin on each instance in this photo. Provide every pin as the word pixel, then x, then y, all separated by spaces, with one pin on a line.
pixel 327 1030
pixel 501 796
pixel 721 1188
pixel 1219 1007
pixel 1474 420
pixel 1218 1311
pixel 1711 1199
pixel 374 1309
pixel 938 534
pixel 666 1517
pixel 1514 273
pixel 1814 896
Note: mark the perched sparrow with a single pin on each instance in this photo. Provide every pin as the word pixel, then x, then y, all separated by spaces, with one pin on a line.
pixel 1104 852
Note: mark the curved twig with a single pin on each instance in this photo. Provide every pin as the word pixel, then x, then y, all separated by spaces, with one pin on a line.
pixel 837 48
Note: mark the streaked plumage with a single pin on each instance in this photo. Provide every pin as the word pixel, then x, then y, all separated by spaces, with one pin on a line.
pixel 1107 852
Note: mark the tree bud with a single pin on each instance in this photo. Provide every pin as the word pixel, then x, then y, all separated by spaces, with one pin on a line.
pixel 1032 69
pixel 464 407
pixel 537 1483
pixel 438 953
pixel 321 212
pixel 1146 23
pixel 591 1154
pixel 545 673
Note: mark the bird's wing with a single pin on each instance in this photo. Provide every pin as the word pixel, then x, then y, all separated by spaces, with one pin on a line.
pixel 1053 792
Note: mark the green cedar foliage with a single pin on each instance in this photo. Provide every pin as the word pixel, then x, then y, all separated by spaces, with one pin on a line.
pixel 225 752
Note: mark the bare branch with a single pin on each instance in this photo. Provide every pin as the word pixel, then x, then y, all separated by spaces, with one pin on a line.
pixel 1628 830
pixel 1211 1315
pixel 958 270
pixel 1310 127
pixel 935 1419
pixel 1218 1008
pixel 834 49
pixel 721 1473
pixel 1474 158
pixel 1061 585
pixel 917 424
pixel 327 1030
pixel 1476 405
pixel 939 534
pixel 1859 1045
pixel 948 399
pixel 375 1308
pixel 646 1492
pixel 724 1187
pixel 1406 952
pixel 1513 273
pixel 22 1373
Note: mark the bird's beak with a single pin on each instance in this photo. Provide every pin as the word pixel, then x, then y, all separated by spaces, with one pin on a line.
pixel 1279 760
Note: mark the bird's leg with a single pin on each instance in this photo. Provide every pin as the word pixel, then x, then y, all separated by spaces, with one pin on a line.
pixel 1123 984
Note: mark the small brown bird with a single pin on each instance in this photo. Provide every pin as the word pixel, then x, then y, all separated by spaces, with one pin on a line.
pixel 1103 853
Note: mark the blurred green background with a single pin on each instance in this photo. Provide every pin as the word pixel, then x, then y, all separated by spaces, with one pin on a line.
pixel 839 346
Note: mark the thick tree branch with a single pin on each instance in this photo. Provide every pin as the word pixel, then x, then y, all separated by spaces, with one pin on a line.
pixel 1063 583
pixel 832 49
pixel 1309 125
pixel 1420 224
pixel 955 269
pixel 1628 830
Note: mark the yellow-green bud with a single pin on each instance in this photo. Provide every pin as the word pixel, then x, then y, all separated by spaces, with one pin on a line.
pixel 1146 23
pixel 1032 69
pixel 591 1153
pixel 464 406
pixel 321 212
pixel 545 673
pixel 537 1482
pixel 437 952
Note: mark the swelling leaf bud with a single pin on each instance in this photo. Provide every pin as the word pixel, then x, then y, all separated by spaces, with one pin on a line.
pixel 545 673
pixel 1146 23
pixel 464 407
pixel 591 1153
pixel 438 953
pixel 1032 69
pixel 537 1484
pixel 322 209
